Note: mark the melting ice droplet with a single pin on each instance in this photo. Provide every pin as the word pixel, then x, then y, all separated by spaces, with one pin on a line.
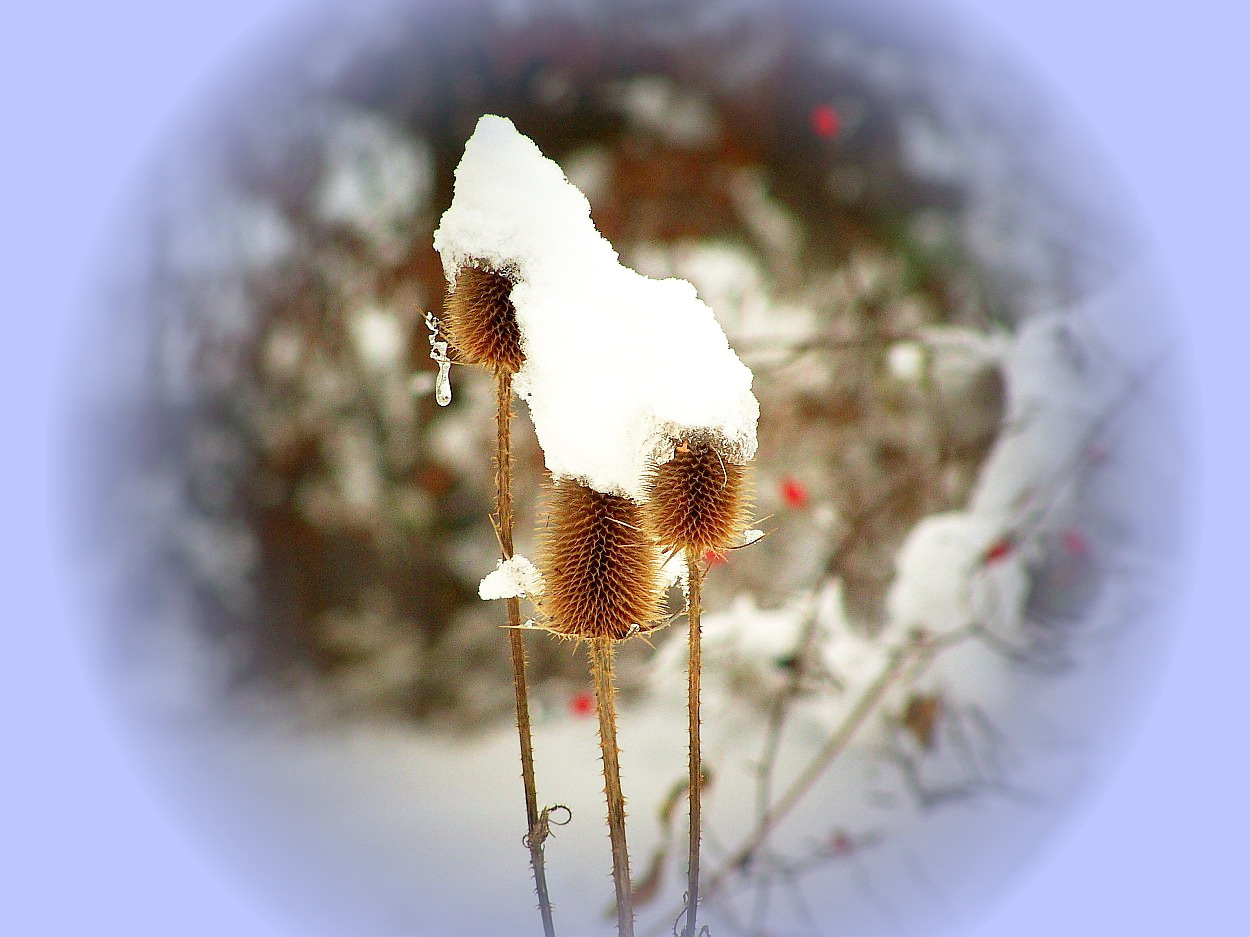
pixel 442 383
pixel 438 351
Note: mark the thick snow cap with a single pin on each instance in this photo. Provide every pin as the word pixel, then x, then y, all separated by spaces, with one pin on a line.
pixel 616 363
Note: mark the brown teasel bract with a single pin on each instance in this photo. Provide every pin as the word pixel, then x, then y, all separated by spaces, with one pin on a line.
pixel 601 572
pixel 481 321
pixel 697 501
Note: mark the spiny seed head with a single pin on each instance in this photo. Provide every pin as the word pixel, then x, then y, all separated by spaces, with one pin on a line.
pixel 601 572
pixel 481 321
pixel 697 501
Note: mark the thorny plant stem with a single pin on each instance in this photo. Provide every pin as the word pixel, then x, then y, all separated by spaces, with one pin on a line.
pixel 601 653
pixel 536 826
pixel 694 613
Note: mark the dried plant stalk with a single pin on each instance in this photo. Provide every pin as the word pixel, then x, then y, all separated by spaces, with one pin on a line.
pixel 601 576
pixel 695 670
pixel 601 655
pixel 537 832
pixel 480 323
pixel 696 502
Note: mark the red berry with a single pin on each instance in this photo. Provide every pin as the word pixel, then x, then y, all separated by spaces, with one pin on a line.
pixel 712 558
pixel 825 121
pixel 998 550
pixel 1075 543
pixel 582 704
pixel 794 492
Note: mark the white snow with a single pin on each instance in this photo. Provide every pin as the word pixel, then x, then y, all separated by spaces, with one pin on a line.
pixel 943 580
pixel 669 110
pixel 675 572
pixel 1057 390
pixel 616 363
pixel 379 339
pixel 734 282
pixel 511 579
pixel 745 645
pixel 955 355
pixel 906 361
pixel 377 178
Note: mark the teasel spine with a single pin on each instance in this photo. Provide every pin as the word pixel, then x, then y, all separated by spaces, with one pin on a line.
pixel 696 502
pixel 481 325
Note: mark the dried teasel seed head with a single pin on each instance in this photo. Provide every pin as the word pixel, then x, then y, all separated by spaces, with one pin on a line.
pixel 480 319
pixel 601 572
pixel 697 501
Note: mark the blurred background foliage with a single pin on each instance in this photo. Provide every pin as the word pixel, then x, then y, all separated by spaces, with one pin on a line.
pixel 866 216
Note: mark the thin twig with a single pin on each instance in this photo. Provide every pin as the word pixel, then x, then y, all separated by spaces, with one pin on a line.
pixel 601 654
pixel 536 822
pixel 779 711
pixel 906 661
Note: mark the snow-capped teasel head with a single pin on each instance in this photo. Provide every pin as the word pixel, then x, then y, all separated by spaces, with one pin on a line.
pixel 601 573
pixel 697 500
pixel 481 321
pixel 508 199
pixel 617 364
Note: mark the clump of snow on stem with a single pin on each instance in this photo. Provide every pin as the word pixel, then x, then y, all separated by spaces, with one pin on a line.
pixel 675 572
pixel 511 579
pixel 616 363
